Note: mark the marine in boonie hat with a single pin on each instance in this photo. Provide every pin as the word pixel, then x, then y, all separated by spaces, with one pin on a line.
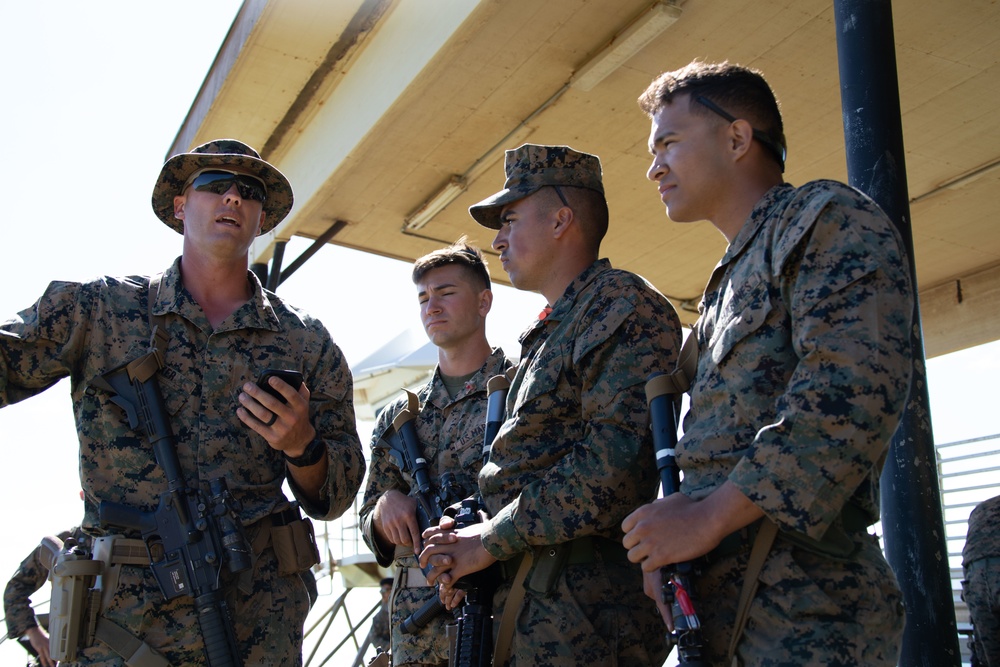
pixel 221 153
pixel 531 167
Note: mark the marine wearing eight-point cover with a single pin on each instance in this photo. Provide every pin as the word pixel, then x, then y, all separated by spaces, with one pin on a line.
pixel 573 458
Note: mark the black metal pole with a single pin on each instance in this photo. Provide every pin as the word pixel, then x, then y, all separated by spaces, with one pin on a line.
pixel 274 275
pixel 912 520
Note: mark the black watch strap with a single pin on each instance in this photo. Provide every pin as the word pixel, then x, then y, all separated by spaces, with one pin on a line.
pixel 314 452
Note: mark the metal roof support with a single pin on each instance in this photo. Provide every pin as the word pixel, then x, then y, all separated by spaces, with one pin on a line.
pixel 912 521
pixel 274 275
pixel 315 247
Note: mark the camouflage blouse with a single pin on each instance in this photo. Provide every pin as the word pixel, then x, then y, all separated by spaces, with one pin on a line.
pixel 84 330
pixel 575 454
pixel 804 362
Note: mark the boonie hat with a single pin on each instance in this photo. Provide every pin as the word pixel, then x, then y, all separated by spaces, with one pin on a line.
pixel 221 153
pixel 531 167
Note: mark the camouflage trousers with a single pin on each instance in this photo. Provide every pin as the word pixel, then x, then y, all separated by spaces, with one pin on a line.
pixel 809 609
pixel 427 646
pixel 595 614
pixel 268 622
pixel 981 591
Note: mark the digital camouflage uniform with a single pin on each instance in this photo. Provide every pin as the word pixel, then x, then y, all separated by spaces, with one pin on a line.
pixel 29 577
pixel 451 432
pixel 85 330
pixel 981 587
pixel 573 458
pixel 803 372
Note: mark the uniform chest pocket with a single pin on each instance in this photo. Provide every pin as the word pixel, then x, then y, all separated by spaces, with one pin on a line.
pixel 541 377
pixel 177 391
pixel 742 312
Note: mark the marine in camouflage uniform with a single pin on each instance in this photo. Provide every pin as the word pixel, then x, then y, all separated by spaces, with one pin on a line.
pixel 450 427
pixel 28 578
pixel 981 586
pixel 86 330
pixel 803 370
pixel 574 455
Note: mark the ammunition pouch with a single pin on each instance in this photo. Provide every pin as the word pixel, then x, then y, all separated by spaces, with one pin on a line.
pixel 291 536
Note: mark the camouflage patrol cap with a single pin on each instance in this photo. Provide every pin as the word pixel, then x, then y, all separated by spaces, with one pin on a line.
pixel 531 167
pixel 222 153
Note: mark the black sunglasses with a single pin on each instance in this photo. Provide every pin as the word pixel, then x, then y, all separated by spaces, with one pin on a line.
pixel 218 181
pixel 772 145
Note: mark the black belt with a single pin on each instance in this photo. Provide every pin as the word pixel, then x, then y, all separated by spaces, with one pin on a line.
pixel 286 516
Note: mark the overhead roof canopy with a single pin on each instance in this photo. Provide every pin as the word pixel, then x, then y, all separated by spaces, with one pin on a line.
pixel 372 108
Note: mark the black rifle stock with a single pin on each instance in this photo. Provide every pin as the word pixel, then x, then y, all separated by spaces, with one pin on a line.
pixel 677 577
pixel 189 536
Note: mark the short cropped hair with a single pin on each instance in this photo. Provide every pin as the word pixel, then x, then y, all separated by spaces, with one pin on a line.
pixel 741 91
pixel 590 208
pixel 461 253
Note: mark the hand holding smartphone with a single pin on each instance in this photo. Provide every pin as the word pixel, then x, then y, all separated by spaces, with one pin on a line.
pixel 292 378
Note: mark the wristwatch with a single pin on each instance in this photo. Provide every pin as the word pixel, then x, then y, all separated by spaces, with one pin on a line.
pixel 314 452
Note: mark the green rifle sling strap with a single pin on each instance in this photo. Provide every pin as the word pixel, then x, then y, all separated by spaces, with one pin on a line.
pixel 134 651
pixel 758 555
pixel 511 608
pixel 158 336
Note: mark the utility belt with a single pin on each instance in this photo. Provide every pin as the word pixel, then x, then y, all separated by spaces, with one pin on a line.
pixel 838 543
pixel 83 583
pixel 550 560
pixel 291 536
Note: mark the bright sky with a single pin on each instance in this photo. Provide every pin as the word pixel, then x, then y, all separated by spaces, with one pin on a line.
pixel 93 97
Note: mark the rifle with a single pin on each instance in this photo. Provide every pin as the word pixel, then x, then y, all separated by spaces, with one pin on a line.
pixel 474 647
pixel 403 444
pixel 189 537
pixel 677 577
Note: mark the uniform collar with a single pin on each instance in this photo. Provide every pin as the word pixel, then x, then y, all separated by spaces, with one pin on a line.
pixel 565 304
pixel 758 216
pixel 258 313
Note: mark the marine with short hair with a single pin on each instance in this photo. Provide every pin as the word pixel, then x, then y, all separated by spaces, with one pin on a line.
pixel 455 295
pixel 575 453
pixel 803 370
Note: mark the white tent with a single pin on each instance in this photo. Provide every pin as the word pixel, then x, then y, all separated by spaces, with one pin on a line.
pixel 405 361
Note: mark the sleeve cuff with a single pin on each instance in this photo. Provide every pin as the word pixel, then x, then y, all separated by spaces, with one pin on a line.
pixel 501 539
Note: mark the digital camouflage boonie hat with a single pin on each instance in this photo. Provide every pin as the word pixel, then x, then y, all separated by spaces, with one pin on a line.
pixel 221 153
pixel 531 167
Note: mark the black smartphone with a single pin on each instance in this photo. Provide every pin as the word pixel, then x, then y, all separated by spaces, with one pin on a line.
pixel 293 378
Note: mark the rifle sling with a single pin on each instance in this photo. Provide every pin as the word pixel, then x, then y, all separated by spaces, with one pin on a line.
pixel 136 652
pixel 511 608
pixel 758 555
pixel 157 324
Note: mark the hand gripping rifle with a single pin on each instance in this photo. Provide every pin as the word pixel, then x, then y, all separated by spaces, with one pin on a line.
pixel 403 444
pixel 189 536
pixel 677 577
pixel 474 647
